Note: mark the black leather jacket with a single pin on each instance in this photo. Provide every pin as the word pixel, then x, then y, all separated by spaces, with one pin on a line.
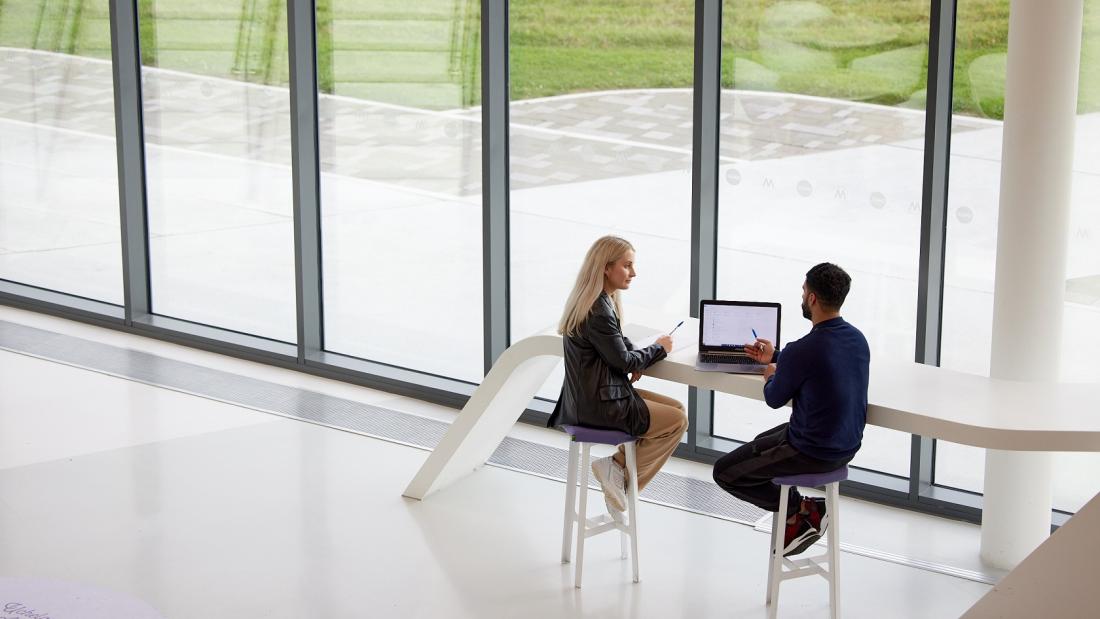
pixel 598 362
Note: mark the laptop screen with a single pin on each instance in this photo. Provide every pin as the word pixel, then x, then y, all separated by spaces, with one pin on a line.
pixel 726 324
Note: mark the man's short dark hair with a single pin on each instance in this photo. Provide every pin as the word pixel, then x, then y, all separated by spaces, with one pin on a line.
pixel 830 283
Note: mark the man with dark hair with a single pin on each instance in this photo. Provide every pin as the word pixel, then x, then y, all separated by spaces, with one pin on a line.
pixel 825 374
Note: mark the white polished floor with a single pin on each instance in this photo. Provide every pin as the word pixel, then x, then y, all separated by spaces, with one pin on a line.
pixel 205 509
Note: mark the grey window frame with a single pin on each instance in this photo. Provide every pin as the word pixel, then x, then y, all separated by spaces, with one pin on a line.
pixel 917 492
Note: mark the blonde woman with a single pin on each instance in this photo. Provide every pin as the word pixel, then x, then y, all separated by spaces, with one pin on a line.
pixel 600 367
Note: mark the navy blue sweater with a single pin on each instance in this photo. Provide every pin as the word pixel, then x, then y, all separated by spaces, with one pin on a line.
pixel 825 373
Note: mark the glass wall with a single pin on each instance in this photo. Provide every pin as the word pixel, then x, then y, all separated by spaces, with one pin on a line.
pixel 601 143
pixel 821 159
pixel 400 141
pixel 981 54
pixel 59 215
pixel 1076 475
pixel 981 45
pixel 217 131
pixel 822 139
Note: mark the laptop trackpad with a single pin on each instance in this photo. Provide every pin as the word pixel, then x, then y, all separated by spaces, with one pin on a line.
pixel 731 368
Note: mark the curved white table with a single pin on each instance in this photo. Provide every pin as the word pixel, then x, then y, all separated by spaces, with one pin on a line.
pixel 910 397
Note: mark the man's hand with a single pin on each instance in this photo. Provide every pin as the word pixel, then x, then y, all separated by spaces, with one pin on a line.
pixel 635 376
pixel 769 371
pixel 761 350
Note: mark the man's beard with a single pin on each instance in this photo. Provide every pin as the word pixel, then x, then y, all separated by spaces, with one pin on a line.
pixel 806 311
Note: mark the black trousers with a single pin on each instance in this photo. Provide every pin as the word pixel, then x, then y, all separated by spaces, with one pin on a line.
pixel 747 471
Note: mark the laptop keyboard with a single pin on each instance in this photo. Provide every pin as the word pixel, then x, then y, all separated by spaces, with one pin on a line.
pixel 720 358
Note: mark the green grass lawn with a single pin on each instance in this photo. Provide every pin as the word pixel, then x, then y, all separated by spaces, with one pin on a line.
pixel 861 50
pixel 582 45
pixel 864 50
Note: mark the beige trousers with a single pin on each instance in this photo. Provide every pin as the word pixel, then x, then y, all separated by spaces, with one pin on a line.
pixel 667 424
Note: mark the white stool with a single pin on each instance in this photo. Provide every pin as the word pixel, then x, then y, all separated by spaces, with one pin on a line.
pixel 579 447
pixel 781 568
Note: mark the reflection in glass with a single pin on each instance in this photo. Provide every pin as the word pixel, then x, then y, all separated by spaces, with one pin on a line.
pixel 981 54
pixel 822 139
pixel 400 141
pixel 1075 475
pixel 217 131
pixel 59 213
pixel 601 143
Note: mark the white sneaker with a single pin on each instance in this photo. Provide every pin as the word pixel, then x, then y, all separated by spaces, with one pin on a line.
pixel 612 480
pixel 615 514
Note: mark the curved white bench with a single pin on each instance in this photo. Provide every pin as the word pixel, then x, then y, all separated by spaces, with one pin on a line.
pixel 493 408
pixel 913 398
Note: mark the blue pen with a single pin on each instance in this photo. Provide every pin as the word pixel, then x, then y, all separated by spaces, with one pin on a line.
pixel 675 328
pixel 758 344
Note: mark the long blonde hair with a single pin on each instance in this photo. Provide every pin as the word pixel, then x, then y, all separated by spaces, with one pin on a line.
pixel 590 282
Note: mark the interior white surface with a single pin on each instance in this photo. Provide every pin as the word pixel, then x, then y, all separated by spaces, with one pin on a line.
pixel 218 513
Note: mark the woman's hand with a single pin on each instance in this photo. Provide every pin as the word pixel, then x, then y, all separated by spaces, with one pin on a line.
pixel 666 342
pixel 761 351
pixel 635 377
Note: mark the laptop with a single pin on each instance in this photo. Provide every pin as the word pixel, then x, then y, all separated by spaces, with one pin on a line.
pixel 724 329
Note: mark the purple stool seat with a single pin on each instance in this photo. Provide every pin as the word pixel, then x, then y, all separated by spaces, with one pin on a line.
pixel 596 435
pixel 813 479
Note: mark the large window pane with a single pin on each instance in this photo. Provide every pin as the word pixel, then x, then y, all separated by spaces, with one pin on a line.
pixel 1076 475
pixel 600 144
pixel 59 214
pixel 822 141
pixel 217 131
pixel 981 55
pixel 400 140
pixel 980 52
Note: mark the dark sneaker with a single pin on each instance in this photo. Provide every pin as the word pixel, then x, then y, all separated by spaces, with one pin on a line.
pixel 799 536
pixel 814 511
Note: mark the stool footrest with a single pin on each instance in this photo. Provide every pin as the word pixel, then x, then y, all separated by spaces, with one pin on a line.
pixel 801 562
pixel 818 559
pixel 603 528
pixel 596 521
pixel 803 567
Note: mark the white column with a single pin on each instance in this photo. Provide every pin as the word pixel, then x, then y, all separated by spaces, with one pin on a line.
pixel 1044 53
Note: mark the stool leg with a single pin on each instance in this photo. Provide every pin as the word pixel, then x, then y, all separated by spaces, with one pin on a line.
pixel 776 564
pixel 629 516
pixel 632 504
pixel 570 503
pixel 582 514
pixel 832 500
pixel 771 555
pixel 624 534
pixel 623 539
